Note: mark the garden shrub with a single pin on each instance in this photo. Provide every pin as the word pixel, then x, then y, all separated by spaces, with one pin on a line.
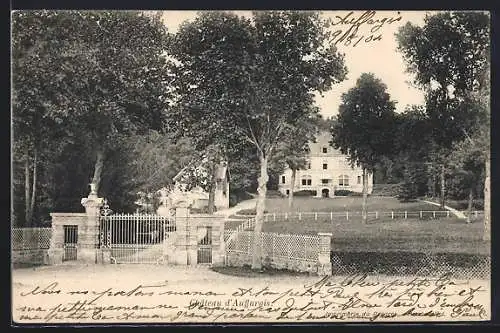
pixel 305 193
pixel 203 210
pixel 342 193
pixel 249 212
pixel 386 190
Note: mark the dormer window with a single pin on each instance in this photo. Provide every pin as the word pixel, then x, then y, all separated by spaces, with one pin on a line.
pixel 325 150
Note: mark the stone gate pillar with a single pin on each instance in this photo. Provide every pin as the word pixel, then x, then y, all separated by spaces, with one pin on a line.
pixel 55 252
pixel 324 256
pixel 180 255
pixel 88 233
pixel 218 245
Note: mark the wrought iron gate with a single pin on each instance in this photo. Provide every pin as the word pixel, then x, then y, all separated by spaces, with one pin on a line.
pixel 204 245
pixel 70 244
pixel 135 238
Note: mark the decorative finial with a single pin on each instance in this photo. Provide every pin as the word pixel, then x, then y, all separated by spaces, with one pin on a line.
pixel 105 208
pixel 93 188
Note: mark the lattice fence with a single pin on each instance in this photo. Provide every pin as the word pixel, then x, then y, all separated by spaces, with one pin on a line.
pixel 30 245
pixel 30 238
pixel 295 252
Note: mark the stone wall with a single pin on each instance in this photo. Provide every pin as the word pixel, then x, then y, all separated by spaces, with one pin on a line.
pixel 295 265
pixel 184 249
pixel 30 257
pixel 59 220
pixel 300 253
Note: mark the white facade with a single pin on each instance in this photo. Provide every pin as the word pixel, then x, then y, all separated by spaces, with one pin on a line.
pixel 328 171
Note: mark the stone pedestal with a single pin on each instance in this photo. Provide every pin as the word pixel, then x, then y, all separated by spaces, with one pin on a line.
pixel 180 255
pixel 219 251
pixel 324 256
pixel 88 233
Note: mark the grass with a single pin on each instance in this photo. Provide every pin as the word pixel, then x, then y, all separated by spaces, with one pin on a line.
pixel 449 235
pixel 341 204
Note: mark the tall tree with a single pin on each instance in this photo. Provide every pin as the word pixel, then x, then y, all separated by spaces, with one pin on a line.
pixel 106 69
pixel 450 57
pixel 247 81
pixel 365 126
pixel 38 134
pixel 294 149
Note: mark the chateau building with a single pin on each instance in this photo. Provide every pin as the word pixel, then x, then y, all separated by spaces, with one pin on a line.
pixel 328 171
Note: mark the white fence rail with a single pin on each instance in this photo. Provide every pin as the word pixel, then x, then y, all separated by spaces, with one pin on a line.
pixel 346 215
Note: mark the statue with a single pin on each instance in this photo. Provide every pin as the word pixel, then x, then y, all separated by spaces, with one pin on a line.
pixel 165 202
pixel 164 198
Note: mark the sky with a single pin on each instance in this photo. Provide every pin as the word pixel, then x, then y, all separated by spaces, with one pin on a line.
pixel 375 52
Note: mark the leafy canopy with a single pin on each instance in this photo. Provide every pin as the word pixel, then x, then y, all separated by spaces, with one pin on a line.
pixel 364 128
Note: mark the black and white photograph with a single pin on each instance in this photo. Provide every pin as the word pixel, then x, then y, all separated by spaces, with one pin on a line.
pixel 239 166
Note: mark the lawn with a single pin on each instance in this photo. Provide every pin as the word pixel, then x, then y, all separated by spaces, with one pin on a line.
pixel 450 235
pixel 342 204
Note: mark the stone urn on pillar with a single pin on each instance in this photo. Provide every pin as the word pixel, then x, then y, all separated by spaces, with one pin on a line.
pixel 88 234
pixel 165 203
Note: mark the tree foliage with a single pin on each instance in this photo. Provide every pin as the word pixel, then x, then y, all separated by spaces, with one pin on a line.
pixel 106 71
pixel 365 126
pixel 82 81
pixel 450 58
pixel 246 81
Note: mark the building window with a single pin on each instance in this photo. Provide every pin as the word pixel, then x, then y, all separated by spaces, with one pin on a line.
pixel 283 179
pixel 325 150
pixel 309 165
pixel 287 192
pixel 325 166
pixel 359 179
pixel 325 181
pixel 306 180
pixel 343 180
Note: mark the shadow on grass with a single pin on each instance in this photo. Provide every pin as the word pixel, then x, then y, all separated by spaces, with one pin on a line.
pixel 247 271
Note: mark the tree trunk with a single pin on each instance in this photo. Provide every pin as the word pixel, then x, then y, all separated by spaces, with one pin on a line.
pixel 292 186
pixel 212 187
pixel 99 163
pixel 365 196
pixel 33 193
pixel 443 184
pixel 487 207
pixel 27 200
pixel 469 204
pixel 259 216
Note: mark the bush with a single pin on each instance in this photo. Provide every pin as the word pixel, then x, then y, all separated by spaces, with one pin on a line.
pixel 274 194
pixel 357 194
pixel 237 196
pixel 249 212
pixel 203 210
pixel 342 193
pixel 386 190
pixel 305 193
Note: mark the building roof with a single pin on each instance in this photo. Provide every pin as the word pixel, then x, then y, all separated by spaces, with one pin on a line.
pixel 323 140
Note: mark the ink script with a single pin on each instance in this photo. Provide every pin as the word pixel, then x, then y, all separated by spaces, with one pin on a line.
pixel 353 298
pixel 353 28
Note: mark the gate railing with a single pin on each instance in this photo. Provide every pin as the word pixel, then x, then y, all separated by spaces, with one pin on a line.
pixel 135 238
